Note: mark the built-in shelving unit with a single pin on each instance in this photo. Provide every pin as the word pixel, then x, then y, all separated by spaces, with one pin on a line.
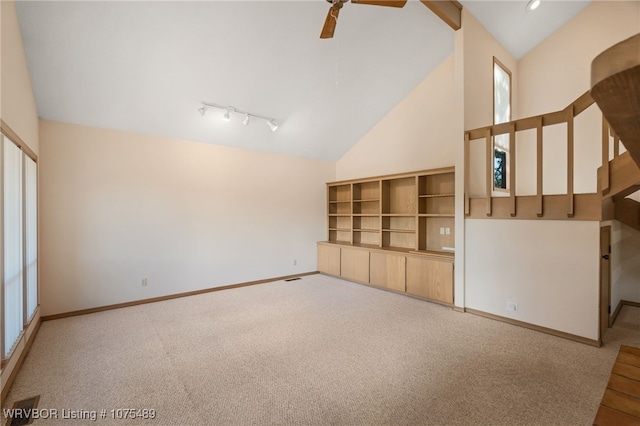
pixel 395 232
pixel 413 211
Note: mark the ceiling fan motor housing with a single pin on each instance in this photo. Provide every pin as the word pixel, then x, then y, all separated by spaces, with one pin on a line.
pixel 337 4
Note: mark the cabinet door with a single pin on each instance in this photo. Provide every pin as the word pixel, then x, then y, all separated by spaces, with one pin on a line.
pixel 355 265
pixel 432 279
pixel 388 271
pixel 441 282
pixel 329 259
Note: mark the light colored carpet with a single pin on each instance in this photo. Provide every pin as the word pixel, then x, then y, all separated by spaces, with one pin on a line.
pixel 315 351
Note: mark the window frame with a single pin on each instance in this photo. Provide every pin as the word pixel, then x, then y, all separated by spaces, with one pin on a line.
pixel 7 135
pixel 506 189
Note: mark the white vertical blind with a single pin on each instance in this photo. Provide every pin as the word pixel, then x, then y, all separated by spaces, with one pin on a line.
pixel 31 234
pixel 501 103
pixel 13 249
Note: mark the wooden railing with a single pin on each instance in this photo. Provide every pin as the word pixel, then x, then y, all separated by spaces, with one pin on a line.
pixel 538 122
pixel 618 176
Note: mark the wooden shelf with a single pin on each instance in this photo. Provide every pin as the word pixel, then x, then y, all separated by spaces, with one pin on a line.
pixel 436 195
pixel 371 200
pixel 366 230
pixel 338 202
pixel 435 215
pixel 406 231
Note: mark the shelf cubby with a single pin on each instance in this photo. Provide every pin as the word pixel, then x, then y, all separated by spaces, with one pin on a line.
pixel 340 193
pixel 366 191
pixel 399 196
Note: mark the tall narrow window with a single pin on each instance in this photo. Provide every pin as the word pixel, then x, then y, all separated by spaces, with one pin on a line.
pixel 31 234
pixel 13 279
pixel 501 114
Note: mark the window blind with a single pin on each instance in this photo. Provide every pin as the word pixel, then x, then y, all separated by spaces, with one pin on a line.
pixel 31 234
pixel 13 244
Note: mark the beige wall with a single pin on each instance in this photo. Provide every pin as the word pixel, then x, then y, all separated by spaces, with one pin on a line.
pixel 118 207
pixel 549 268
pixel 625 267
pixel 18 108
pixel 419 133
pixel 557 72
pixel 480 48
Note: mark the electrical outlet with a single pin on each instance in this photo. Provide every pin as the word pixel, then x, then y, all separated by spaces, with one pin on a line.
pixel 441 230
pixel 512 306
pixel 447 231
pixel 144 282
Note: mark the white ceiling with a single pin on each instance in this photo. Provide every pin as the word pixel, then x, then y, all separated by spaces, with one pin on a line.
pixel 518 29
pixel 145 66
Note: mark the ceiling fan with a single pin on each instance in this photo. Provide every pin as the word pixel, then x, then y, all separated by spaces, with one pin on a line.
pixel 336 5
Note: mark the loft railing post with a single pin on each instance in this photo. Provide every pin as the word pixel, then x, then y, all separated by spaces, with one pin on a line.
pixel 512 167
pixel 489 180
pixel 540 211
pixel 570 135
pixel 605 156
pixel 467 141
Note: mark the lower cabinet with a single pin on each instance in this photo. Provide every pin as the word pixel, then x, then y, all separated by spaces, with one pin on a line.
pixel 355 265
pixel 425 276
pixel 329 259
pixel 388 271
pixel 430 279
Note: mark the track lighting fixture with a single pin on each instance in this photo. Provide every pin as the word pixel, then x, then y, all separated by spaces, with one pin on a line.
pixel 271 122
pixel 533 4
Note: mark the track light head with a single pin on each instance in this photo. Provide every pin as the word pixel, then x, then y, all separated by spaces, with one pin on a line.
pixel 202 110
pixel 533 4
pixel 246 120
pixel 272 125
pixel 226 116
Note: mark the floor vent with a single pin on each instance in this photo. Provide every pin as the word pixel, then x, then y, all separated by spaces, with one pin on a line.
pixel 293 279
pixel 20 413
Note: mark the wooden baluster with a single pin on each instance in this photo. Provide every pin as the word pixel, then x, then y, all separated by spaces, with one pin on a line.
pixel 512 167
pixel 489 171
pixel 540 211
pixel 605 156
pixel 569 112
pixel 467 142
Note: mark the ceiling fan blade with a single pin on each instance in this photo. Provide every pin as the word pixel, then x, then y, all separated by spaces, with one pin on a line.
pixel 388 3
pixel 330 23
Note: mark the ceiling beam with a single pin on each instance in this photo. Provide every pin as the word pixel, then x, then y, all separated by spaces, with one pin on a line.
pixel 449 11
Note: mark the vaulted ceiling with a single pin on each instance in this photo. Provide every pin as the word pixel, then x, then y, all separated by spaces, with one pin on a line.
pixel 146 66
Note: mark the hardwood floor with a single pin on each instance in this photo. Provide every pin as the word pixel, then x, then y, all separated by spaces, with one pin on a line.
pixel 620 404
